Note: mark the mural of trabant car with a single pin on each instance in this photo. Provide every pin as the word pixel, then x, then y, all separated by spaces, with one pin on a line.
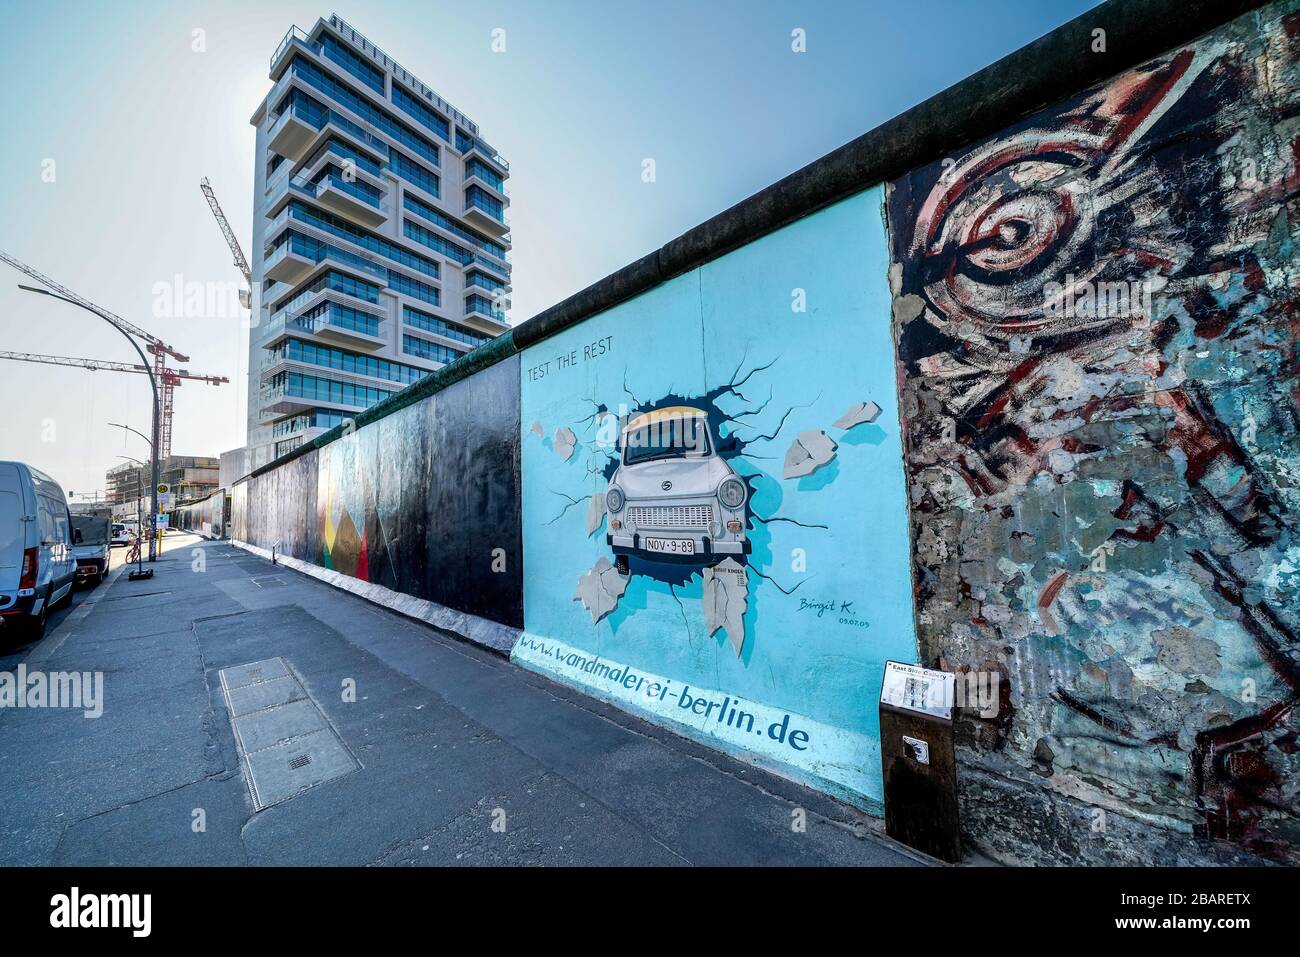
pixel 673 498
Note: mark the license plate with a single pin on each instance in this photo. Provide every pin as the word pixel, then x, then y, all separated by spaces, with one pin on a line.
pixel 671 546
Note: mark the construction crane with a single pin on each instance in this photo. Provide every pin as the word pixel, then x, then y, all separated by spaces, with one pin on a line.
pixel 166 378
pixel 241 263
pixel 171 378
pixel 153 344
pixel 94 365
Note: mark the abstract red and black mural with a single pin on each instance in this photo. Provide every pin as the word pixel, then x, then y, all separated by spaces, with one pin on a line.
pixel 1096 318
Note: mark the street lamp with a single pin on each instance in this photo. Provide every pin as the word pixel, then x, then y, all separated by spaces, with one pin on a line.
pixel 139 568
pixel 153 384
pixel 119 425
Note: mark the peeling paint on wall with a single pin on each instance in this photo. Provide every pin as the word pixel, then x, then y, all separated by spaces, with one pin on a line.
pixel 1096 320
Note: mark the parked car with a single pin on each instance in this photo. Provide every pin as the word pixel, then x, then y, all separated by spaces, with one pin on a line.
pixel 120 537
pixel 673 498
pixel 37 566
pixel 90 537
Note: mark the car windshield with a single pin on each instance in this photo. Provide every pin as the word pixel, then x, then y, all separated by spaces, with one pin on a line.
pixel 666 439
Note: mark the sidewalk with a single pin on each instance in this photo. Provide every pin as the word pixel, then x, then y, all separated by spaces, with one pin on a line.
pixel 442 742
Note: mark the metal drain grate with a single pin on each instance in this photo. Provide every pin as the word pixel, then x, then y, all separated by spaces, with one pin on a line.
pixel 285 742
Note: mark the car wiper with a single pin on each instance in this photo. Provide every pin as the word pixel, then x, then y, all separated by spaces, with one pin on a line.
pixel 656 458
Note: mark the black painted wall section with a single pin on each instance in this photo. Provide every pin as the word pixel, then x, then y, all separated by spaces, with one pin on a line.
pixel 425 501
pixel 448 491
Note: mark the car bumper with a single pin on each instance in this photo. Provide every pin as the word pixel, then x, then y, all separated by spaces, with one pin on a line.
pixel 19 608
pixel 705 546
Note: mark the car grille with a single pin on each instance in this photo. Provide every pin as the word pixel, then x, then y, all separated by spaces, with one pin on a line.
pixel 670 516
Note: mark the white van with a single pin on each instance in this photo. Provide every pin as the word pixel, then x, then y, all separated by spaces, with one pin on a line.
pixel 37 566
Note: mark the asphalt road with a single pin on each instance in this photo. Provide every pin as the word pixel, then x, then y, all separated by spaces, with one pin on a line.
pixel 248 714
pixel 13 650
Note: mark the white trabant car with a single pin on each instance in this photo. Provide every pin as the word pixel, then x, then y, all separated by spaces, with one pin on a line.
pixel 673 498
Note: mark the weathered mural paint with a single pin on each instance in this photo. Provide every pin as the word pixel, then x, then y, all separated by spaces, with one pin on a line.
pixel 424 502
pixel 1096 320
pixel 208 516
pixel 713 504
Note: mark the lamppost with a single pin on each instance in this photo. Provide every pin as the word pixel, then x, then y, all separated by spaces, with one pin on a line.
pixel 153 529
pixel 139 569
pixel 153 385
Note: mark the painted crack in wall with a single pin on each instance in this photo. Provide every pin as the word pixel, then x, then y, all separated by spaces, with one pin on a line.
pixel 1096 318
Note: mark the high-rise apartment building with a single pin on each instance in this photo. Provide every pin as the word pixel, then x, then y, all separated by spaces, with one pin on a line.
pixel 379 236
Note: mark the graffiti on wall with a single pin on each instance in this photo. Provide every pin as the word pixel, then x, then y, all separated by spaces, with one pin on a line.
pixel 714 519
pixel 1096 319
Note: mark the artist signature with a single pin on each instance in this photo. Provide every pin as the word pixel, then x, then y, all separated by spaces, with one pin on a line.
pixel 822 607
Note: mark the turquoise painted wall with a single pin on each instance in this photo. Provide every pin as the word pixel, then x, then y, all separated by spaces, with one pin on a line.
pixel 793 682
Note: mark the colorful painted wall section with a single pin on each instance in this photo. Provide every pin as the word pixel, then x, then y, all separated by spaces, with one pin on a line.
pixel 1096 313
pixel 714 519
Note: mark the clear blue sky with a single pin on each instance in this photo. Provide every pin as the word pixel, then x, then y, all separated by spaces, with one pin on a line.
pixel 133 117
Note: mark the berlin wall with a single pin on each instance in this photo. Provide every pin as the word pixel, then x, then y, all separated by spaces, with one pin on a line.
pixel 1006 387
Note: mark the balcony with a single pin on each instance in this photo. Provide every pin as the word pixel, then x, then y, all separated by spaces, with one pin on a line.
pixel 282 400
pixel 483 214
pixel 291 134
pixel 279 401
pixel 295 36
pixel 333 325
pixel 474 280
pixel 285 232
pixel 286 265
pixel 488 153
pixel 346 199
pixel 481 179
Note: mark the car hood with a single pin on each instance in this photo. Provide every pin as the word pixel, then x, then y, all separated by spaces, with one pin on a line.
pixel 689 477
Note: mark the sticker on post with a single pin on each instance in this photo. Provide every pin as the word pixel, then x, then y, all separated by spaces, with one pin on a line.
pixel 914 688
pixel 918 749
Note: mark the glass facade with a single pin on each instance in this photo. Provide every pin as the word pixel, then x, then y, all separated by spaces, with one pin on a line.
pixel 435 242
pixel 313 76
pixel 415 289
pixel 315 419
pixel 422 320
pixel 436 351
pixel 476 167
pixel 476 278
pixel 300 385
pixel 339 148
pixel 338 226
pixel 363 70
pixel 344 361
pixel 483 306
pixel 309 247
pixel 412 171
pixel 335 314
pixel 414 204
pixel 489 204
pixel 407 102
pixel 331 175
pixel 379 129
pixel 337 281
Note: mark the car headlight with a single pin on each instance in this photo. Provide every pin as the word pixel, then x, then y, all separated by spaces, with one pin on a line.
pixel 732 493
pixel 614 499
